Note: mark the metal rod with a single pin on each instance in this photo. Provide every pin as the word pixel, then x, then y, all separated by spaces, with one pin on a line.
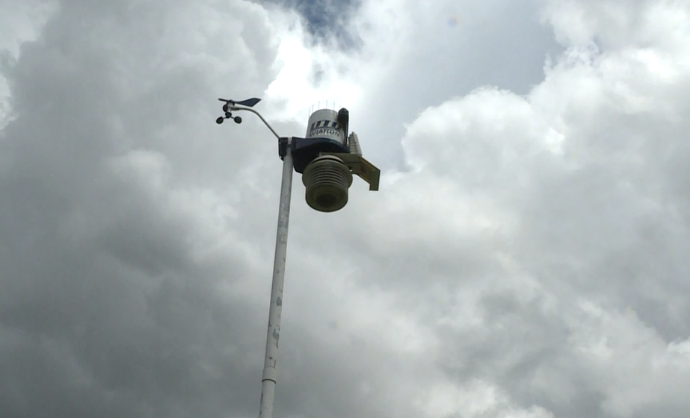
pixel 235 107
pixel 268 380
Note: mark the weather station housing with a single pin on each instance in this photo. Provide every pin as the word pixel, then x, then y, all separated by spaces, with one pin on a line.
pixel 327 158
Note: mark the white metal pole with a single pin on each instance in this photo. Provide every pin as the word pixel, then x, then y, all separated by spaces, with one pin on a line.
pixel 268 380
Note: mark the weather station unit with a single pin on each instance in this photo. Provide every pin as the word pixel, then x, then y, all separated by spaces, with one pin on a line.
pixel 327 157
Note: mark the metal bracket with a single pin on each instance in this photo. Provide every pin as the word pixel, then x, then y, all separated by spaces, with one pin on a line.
pixel 361 167
pixel 282 146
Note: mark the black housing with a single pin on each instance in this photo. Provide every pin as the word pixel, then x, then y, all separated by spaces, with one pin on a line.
pixel 305 150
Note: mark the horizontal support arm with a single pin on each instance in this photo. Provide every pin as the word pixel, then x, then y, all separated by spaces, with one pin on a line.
pixel 236 107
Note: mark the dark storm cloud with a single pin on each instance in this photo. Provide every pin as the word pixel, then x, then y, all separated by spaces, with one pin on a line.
pixel 326 18
pixel 328 21
pixel 530 263
pixel 111 304
pixel 135 275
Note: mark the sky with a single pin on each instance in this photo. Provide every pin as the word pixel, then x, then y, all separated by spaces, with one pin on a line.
pixel 525 256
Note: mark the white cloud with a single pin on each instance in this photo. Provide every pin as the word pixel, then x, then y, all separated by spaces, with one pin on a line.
pixel 529 260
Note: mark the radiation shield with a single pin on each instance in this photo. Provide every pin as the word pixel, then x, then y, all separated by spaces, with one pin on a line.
pixel 360 167
pixel 327 180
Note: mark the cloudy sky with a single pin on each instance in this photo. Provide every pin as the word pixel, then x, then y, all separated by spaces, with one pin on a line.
pixel 527 255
